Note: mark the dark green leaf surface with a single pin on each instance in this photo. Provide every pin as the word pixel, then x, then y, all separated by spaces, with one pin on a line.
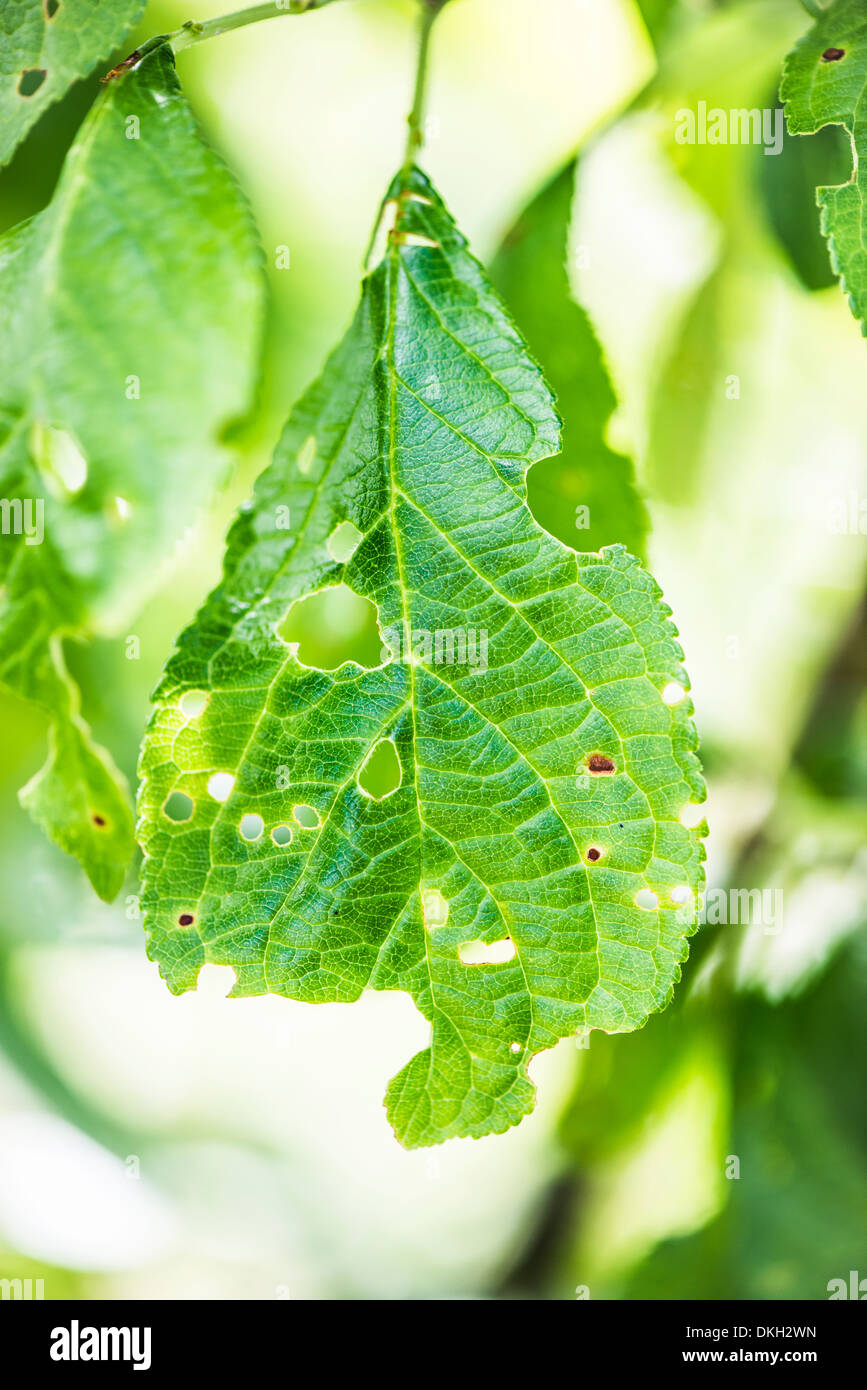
pixel 119 367
pixel 420 432
pixel 45 48
pixel 530 273
pixel 820 88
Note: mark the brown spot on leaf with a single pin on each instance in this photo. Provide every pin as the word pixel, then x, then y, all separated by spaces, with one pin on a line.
pixel 599 763
pixel 186 919
pixel 593 854
pixel 98 820
pixel 833 55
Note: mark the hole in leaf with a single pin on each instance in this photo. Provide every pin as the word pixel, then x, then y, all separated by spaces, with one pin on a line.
pixel 343 542
pixel 220 785
pixel 178 807
pixel 50 7
pixel 333 627
pixel 692 815
pixel 380 772
pixel 282 835
pixel 435 908
pixel 30 81
pixel 306 454
pixel 599 764
pixel 487 953
pixel 306 817
pixel 672 694
pixel 646 899
pixel 186 919
pixel 594 854
pixel 515 1047
pixel 100 820
pixel 192 704
pixel 833 55
pixel 681 894
pixel 251 826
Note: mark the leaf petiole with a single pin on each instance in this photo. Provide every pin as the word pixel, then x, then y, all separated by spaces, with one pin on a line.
pixel 196 31
pixel 415 120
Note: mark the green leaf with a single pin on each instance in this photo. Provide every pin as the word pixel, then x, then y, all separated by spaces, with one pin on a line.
pixel 45 47
pixel 824 82
pixel 120 365
pixel 512 768
pixel 587 495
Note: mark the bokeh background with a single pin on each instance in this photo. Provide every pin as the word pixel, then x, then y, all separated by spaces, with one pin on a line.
pixel 190 1147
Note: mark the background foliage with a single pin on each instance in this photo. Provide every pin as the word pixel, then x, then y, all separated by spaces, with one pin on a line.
pixel 204 1147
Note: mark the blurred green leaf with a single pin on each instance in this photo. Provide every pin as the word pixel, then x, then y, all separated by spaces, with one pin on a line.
pixel 824 82
pixel 586 496
pixel 788 184
pixel 130 332
pixel 45 46
pixel 797 1207
pixel 518 772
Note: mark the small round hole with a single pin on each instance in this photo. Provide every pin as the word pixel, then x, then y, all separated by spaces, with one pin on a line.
pixel 515 1047
pixel 30 81
pixel 220 785
pixel 672 694
pixel 251 826
pixel 282 835
pixel 306 817
pixel 343 542
pixel 681 894
pixel 193 702
pixel 178 807
pixel 646 899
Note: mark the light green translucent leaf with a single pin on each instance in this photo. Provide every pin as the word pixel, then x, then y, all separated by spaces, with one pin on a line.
pixel 45 47
pixel 542 773
pixel 824 83
pixel 120 365
pixel 586 497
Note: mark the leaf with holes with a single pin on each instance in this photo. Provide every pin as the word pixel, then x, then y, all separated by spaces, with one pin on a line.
pixel 587 495
pixel 45 46
pixel 824 83
pixel 534 700
pixel 119 368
